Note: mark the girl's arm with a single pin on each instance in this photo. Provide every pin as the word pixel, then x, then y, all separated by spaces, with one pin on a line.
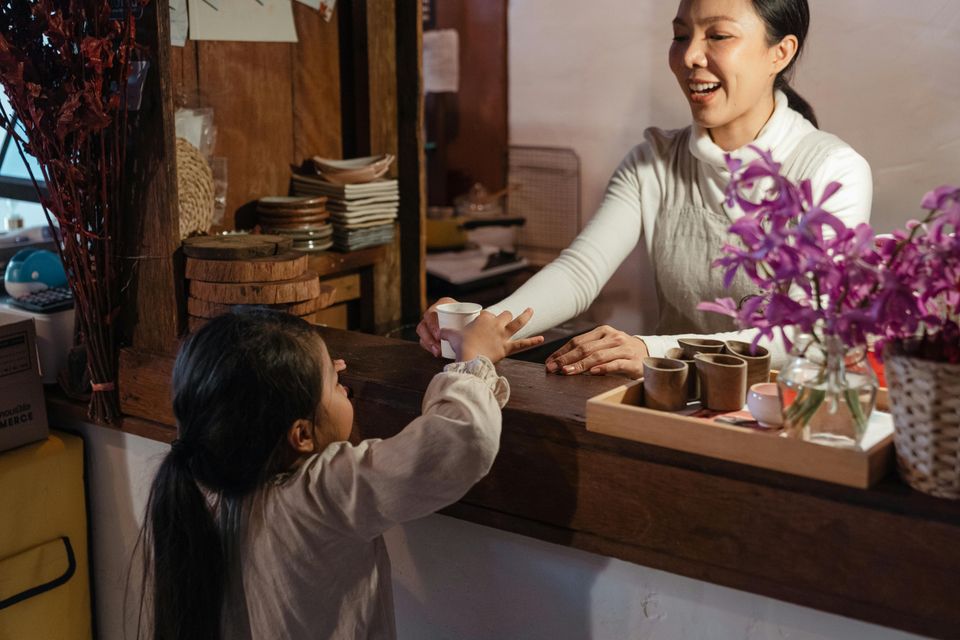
pixel 364 490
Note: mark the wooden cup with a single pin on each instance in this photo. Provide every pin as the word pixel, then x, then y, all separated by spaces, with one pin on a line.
pixel 757 358
pixel 693 346
pixel 693 380
pixel 665 384
pixel 723 381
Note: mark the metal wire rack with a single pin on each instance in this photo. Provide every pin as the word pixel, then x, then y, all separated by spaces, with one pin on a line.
pixel 544 189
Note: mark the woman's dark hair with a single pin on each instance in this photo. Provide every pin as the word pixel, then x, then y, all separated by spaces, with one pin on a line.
pixel 239 384
pixel 783 18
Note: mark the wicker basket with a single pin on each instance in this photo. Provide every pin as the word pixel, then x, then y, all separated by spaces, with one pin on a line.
pixel 925 402
pixel 194 189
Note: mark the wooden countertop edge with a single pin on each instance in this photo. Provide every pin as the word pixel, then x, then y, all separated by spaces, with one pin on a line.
pixel 62 411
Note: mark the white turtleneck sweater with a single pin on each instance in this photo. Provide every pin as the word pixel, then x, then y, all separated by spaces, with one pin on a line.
pixel 658 177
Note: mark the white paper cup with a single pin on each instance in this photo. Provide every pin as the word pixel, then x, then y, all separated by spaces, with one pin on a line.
pixel 455 315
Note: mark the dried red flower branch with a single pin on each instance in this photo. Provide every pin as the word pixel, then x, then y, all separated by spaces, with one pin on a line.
pixel 64 67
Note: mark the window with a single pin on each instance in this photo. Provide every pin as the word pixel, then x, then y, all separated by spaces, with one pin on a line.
pixel 17 194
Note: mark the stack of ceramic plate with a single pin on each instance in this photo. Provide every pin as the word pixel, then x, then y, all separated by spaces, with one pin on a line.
pixel 303 219
pixel 362 214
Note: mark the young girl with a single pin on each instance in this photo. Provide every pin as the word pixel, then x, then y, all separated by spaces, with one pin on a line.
pixel 263 522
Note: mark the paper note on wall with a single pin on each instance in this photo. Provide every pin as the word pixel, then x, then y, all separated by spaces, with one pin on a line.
pixel 441 61
pixel 242 20
pixel 324 6
pixel 178 22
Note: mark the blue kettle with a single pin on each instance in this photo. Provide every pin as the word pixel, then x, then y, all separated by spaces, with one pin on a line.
pixel 32 270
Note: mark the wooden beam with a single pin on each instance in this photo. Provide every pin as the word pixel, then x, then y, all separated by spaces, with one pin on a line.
pixel 411 160
pixel 382 130
pixel 152 298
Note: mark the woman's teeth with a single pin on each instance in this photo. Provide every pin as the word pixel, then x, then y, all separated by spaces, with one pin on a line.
pixel 704 87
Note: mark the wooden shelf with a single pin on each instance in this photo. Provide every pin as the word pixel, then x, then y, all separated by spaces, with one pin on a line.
pixel 332 262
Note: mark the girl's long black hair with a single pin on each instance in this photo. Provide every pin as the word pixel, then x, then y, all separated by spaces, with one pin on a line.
pixel 783 18
pixel 239 384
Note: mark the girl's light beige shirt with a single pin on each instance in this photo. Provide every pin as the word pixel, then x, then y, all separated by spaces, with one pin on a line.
pixel 314 564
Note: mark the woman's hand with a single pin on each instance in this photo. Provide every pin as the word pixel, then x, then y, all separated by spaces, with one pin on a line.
pixel 601 351
pixel 429 328
pixel 489 336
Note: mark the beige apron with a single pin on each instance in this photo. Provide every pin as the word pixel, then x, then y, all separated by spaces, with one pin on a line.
pixel 688 237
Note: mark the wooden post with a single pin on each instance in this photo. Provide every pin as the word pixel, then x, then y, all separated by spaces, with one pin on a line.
pixel 411 160
pixel 152 293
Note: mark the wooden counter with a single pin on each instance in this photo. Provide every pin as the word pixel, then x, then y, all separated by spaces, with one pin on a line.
pixel 888 555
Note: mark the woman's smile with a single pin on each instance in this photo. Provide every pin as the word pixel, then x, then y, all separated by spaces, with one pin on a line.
pixel 702 92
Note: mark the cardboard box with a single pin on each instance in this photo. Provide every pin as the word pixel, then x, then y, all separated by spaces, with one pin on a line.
pixel 23 409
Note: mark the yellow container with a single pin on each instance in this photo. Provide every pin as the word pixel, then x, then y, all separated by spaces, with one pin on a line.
pixel 446 234
pixel 44 576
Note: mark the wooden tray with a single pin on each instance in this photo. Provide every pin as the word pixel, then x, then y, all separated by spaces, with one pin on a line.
pixel 619 413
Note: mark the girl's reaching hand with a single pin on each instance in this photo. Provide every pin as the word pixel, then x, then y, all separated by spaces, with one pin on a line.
pixel 490 336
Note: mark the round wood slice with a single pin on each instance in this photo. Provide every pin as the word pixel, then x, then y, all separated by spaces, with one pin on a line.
pixel 207 309
pixel 235 247
pixel 194 323
pixel 279 213
pixel 265 219
pixel 285 266
pixel 287 202
pixel 304 287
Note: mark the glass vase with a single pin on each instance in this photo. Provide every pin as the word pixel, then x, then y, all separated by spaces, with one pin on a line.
pixel 828 391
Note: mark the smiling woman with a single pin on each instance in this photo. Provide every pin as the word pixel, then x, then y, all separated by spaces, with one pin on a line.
pixel 723 62
pixel 732 59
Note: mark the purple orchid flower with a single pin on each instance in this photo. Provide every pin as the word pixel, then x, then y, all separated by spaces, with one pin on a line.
pixel 842 281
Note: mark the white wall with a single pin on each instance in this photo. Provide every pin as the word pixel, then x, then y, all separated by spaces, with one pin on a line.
pixel 121 468
pixel 455 580
pixel 881 74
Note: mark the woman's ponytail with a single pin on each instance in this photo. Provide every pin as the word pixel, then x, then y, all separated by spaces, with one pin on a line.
pixel 796 101
pixel 187 563
pixel 788 18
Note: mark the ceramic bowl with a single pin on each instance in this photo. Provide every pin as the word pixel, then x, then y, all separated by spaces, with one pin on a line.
pixel 763 401
pixel 353 170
